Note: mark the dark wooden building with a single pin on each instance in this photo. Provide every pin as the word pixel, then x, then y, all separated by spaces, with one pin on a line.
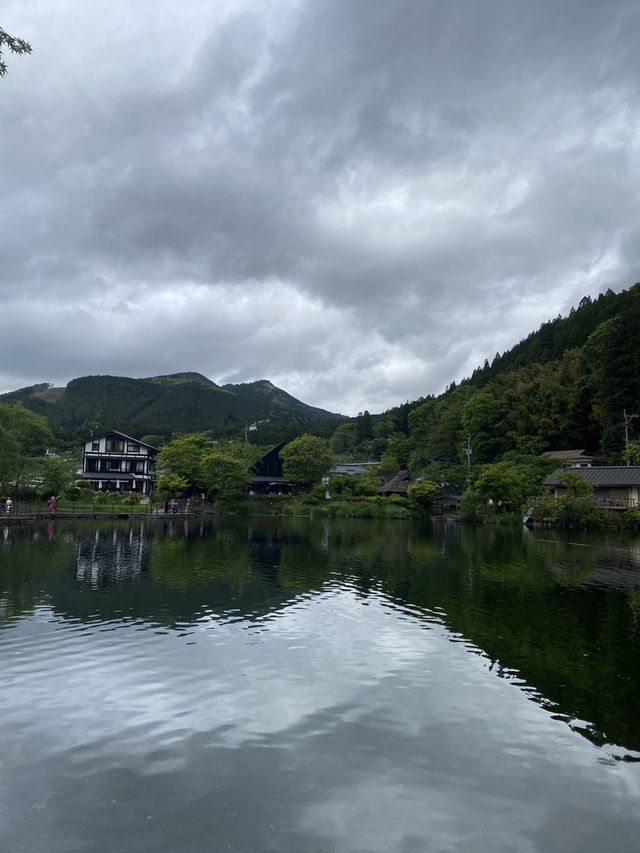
pixel 267 473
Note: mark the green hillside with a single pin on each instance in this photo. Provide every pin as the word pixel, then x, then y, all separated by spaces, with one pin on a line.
pixel 564 386
pixel 280 404
pixel 181 402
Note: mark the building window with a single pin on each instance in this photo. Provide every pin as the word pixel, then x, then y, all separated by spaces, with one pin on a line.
pixel 113 465
pixel 95 445
pixel 115 445
pixel 91 465
pixel 133 448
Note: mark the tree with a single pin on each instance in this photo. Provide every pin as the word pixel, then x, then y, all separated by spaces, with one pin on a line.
pixel 244 452
pixel 58 473
pixel 631 454
pixel 155 439
pixel 306 459
pixel 24 436
pixel 9 459
pixel 222 475
pixel 423 493
pixel 578 502
pixel 171 484
pixel 183 457
pixel 15 45
pixel 364 427
pixel 343 439
pixel 504 483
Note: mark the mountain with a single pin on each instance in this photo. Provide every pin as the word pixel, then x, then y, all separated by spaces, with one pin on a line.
pixel 178 402
pixel 282 406
pixel 570 384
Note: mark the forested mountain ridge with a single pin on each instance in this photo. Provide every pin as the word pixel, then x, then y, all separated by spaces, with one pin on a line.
pixel 566 385
pixel 555 337
pixel 180 402
pixel 264 393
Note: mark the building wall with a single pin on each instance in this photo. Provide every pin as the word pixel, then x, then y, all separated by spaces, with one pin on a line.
pixel 112 462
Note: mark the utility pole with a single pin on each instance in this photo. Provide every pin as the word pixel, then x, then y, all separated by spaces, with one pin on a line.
pixel 627 420
pixel 468 452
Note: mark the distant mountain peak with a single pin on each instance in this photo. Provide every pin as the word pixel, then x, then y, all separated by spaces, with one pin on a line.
pixel 174 402
pixel 180 378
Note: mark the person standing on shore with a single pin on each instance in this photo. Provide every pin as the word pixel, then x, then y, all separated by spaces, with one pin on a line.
pixel 8 504
pixel 52 503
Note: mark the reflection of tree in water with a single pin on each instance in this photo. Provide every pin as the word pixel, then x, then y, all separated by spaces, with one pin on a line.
pixel 563 619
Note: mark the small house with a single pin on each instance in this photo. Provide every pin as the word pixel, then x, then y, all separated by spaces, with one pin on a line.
pixel 395 484
pixel 574 458
pixel 615 486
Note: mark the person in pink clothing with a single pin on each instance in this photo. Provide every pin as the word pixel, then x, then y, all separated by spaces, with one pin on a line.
pixel 52 503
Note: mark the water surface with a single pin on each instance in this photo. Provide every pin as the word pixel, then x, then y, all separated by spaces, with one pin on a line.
pixel 290 685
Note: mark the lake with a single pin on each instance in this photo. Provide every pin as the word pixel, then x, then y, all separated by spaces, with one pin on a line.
pixel 312 686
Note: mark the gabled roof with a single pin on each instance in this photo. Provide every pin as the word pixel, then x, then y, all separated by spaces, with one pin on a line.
pixel 352 467
pixel 602 475
pixel 121 434
pixel 563 454
pixel 398 484
pixel 579 457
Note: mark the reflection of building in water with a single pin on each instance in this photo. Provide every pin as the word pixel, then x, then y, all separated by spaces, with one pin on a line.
pixel 113 555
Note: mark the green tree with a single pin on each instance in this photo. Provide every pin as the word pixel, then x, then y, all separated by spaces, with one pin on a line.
pixel 423 493
pixel 223 476
pixel 15 45
pixel 184 457
pixel 505 483
pixel 24 436
pixel 306 459
pixel 364 427
pixel 244 452
pixel 631 454
pixel 10 459
pixel 171 484
pixel 154 439
pixel 578 502
pixel 471 504
pixel 58 473
pixel 343 440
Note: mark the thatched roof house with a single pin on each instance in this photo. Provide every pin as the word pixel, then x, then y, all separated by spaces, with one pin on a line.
pixel 395 484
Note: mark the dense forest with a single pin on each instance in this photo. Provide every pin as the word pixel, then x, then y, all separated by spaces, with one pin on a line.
pixel 566 385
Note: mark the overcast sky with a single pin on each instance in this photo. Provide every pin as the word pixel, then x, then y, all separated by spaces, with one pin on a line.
pixel 359 200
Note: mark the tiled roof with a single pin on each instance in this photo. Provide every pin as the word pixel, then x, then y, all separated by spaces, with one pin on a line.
pixel 604 475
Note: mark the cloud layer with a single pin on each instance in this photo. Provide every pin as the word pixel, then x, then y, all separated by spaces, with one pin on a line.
pixel 360 201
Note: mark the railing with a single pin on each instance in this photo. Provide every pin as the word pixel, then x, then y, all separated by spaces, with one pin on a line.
pixel 25 510
pixel 31 510
pixel 615 503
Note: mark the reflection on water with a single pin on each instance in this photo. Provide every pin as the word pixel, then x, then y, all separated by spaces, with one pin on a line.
pixel 274 684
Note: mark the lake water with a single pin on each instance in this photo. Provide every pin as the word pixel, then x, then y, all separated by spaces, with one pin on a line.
pixel 311 686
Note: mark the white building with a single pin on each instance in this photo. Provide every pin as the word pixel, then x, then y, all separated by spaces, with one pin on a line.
pixel 116 462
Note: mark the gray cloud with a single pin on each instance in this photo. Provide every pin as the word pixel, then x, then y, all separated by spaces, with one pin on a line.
pixel 360 201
